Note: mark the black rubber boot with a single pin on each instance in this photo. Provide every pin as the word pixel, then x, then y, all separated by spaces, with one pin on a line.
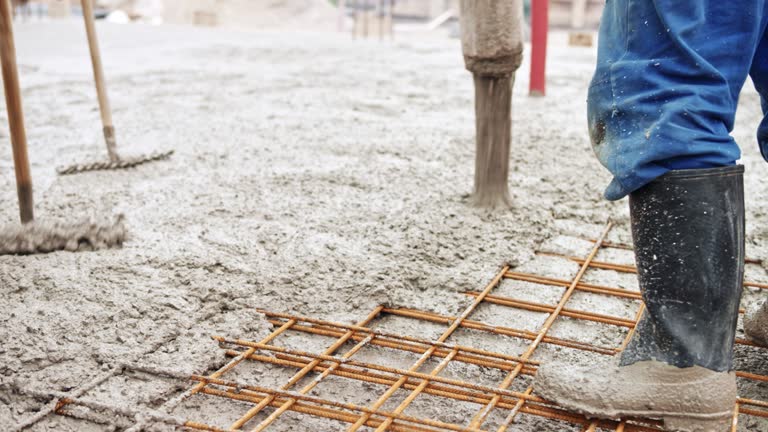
pixel 688 231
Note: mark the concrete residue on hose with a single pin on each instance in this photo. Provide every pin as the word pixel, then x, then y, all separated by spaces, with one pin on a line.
pixel 493 112
pixel 491 40
pixel 43 237
pixel 492 36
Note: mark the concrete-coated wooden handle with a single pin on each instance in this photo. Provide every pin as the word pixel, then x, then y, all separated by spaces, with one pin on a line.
pixel 98 77
pixel 15 113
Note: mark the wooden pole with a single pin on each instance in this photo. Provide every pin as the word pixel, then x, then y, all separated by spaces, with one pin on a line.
pixel 539 30
pixel 342 14
pixel 380 13
pixel 98 76
pixel 15 113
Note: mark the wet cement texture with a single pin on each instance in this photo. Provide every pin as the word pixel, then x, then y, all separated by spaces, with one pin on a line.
pixel 313 174
pixel 78 236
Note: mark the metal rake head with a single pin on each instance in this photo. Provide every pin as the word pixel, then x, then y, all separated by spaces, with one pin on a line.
pixel 121 163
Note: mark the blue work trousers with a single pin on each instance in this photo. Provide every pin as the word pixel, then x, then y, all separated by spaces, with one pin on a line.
pixel 667 82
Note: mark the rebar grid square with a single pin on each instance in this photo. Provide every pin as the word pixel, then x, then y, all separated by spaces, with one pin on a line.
pixel 435 367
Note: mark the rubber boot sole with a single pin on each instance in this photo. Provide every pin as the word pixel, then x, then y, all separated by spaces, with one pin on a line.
pixel 686 399
pixel 673 421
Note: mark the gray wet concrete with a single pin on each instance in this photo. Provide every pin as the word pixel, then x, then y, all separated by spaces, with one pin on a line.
pixel 313 174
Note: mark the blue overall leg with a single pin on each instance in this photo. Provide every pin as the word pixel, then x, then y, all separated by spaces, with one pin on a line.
pixel 667 83
pixel 759 73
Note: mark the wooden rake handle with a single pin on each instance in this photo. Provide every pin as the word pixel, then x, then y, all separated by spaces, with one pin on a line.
pixel 98 77
pixel 15 113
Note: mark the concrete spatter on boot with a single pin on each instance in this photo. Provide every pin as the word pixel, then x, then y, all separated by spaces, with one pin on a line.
pixel 42 237
pixel 687 399
pixel 756 324
pixel 691 284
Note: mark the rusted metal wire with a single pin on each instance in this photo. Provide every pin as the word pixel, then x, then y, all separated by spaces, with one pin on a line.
pixel 243 388
pixel 500 330
pixel 755 413
pixel 235 361
pixel 596 289
pixel 613 245
pixel 470 359
pixel 57 404
pixel 482 398
pixel 752 376
pixel 332 361
pixel 302 373
pixel 131 413
pixel 456 323
pixel 515 411
pixel 623 268
pixel 631 332
pixel 433 384
pixel 757 403
pixel 446 391
pixel 363 368
pixel 479 418
pixel 382 335
pixel 307 388
pixel 538 307
pixel 417 391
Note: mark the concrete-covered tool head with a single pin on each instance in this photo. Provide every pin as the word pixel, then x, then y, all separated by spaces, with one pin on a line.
pixel 492 36
pixel 41 237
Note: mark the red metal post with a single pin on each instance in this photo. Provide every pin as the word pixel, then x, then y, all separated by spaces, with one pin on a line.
pixel 539 29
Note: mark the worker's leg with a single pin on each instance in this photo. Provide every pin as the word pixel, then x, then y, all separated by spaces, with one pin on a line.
pixel 759 74
pixel 675 69
pixel 756 321
pixel 688 235
pixel 691 283
pixel 668 77
pixel 661 106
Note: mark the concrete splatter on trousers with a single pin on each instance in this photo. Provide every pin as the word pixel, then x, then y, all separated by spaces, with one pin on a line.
pixel 665 90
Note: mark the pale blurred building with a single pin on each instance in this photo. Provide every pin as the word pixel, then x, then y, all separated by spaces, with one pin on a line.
pixel 421 9
pixel 251 14
pixel 310 14
pixel 59 8
pixel 562 13
pixel 575 14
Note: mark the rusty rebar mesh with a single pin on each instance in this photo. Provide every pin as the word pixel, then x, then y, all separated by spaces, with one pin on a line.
pixel 422 375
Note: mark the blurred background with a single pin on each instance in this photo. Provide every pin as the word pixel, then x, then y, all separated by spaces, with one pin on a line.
pixel 315 14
